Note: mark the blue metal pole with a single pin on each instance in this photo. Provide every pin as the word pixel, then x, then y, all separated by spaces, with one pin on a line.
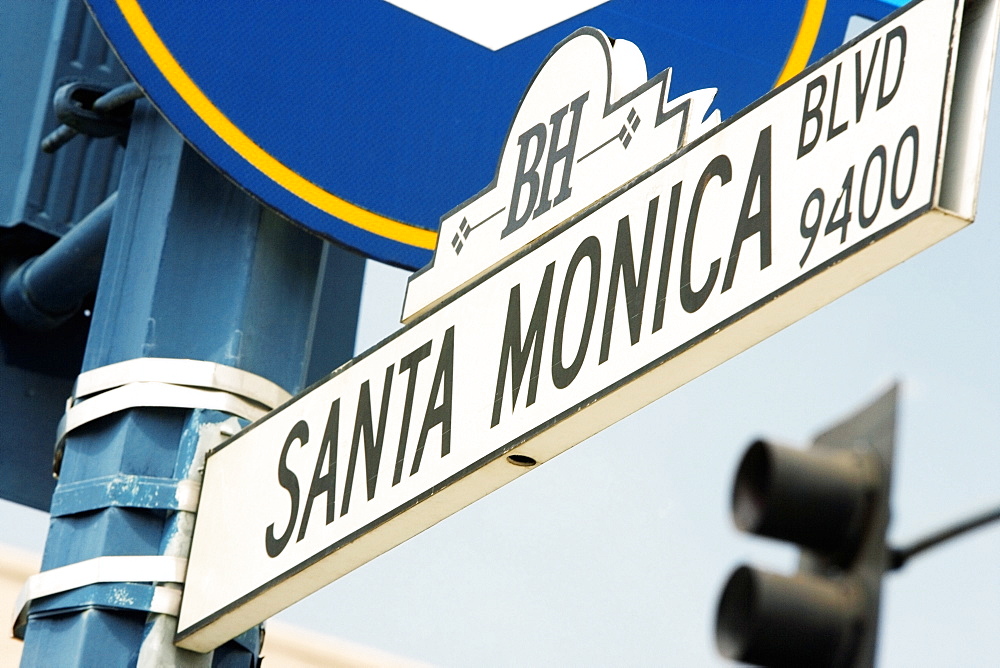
pixel 194 269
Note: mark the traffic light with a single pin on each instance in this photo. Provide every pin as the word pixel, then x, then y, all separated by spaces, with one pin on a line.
pixel 831 500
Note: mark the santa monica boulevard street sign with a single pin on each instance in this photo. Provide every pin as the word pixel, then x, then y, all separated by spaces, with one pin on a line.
pixel 569 308
pixel 363 120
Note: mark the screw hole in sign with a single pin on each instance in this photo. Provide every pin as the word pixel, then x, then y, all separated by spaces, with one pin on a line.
pixel 521 460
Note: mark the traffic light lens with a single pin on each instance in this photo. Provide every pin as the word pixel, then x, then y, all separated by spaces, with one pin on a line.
pixel 775 620
pixel 817 498
pixel 732 625
pixel 750 492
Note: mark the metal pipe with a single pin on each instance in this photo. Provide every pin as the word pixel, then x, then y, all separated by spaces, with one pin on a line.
pixel 117 97
pixel 47 290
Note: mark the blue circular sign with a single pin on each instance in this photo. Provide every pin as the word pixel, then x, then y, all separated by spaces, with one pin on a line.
pixel 365 122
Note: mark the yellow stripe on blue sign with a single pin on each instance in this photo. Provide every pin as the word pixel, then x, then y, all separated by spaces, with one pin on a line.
pixel 253 153
pixel 805 41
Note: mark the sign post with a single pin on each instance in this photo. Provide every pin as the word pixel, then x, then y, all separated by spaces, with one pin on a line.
pixel 197 273
pixel 554 331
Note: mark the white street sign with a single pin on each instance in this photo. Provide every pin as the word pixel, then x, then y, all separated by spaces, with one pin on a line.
pixel 854 166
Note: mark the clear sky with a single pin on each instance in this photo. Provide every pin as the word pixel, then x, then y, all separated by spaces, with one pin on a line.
pixel 615 552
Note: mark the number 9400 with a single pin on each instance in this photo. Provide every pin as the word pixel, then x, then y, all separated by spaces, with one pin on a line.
pixel 869 203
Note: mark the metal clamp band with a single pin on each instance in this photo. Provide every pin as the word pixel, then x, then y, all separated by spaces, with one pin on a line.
pixel 160 395
pixel 125 491
pixel 108 595
pixel 118 569
pixel 165 383
pixel 192 373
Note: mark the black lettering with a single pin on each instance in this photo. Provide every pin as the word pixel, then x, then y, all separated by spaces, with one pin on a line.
pixel 515 352
pixel 811 232
pixel 564 154
pixel 326 483
pixel 623 271
pixel 562 376
pixel 760 222
pixel 691 299
pixel 900 200
pixel 832 131
pixel 897 33
pixel 840 223
pixel 288 480
pixel 439 413
pixel 373 442
pixel 668 251
pixel 525 176
pixel 861 91
pixel 863 219
pixel 814 113
pixel 409 363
